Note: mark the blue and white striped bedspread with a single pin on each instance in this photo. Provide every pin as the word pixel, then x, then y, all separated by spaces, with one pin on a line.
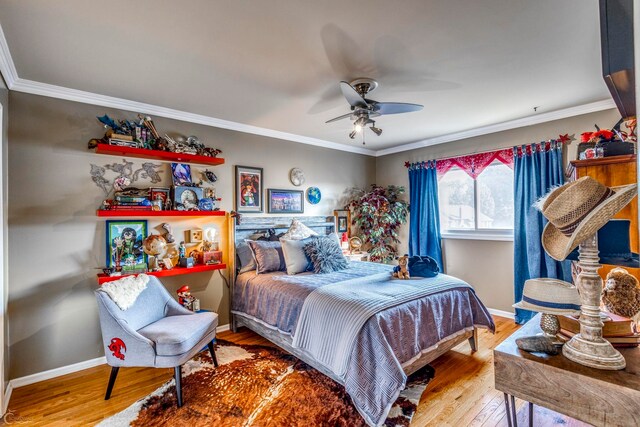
pixel 332 316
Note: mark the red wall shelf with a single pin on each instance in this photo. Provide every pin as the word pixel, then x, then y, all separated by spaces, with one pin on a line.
pixel 147 213
pixel 116 150
pixel 175 271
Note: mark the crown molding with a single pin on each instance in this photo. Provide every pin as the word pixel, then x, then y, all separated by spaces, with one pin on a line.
pixel 7 67
pixel 499 127
pixel 8 70
pixel 53 91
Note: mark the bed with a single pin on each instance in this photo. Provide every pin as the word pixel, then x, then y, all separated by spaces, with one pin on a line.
pixel 370 348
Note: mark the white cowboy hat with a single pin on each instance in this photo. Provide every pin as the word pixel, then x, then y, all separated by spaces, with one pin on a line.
pixel 577 210
pixel 550 296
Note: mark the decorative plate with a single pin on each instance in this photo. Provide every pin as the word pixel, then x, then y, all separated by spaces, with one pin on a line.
pixel 314 195
pixel 296 176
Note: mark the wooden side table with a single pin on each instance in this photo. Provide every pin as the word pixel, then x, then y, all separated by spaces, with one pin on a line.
pixel 602 398
pixel 362 256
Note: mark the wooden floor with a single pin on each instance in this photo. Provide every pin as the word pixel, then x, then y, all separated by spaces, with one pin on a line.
pixel 461 394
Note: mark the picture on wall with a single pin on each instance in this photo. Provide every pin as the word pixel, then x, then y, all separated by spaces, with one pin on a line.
pixel 342 220
pixel 248 189
pixel 181 173
pixel 124 245
pixel 286 201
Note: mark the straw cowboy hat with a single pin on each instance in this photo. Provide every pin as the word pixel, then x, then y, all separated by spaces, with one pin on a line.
pixel 550 296
pixel 577 210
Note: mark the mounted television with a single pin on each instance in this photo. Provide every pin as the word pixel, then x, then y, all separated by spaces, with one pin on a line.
pixel 616 34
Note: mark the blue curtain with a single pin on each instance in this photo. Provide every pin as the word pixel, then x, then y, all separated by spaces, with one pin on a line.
pixel 424 219
pixel 536 172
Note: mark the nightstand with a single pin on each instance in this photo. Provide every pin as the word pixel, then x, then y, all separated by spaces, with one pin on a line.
pixel 362 256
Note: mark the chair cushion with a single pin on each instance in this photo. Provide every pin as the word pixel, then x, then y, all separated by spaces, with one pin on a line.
pixel 174 335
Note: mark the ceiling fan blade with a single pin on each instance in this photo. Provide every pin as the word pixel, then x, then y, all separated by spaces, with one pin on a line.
pixel 353 97
pixel 335 119
pixel 395 107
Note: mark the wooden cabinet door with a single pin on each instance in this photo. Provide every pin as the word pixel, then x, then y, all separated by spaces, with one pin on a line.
pixel 614 171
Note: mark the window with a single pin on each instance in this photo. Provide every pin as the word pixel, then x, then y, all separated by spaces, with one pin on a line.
pixel 480 208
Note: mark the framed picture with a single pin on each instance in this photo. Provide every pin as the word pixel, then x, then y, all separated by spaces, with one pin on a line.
pixel 124 245
pixel 161 195
pixel 248 189
pixel 343 219
pixel 186 198
pixel 285 201
pixel 181 173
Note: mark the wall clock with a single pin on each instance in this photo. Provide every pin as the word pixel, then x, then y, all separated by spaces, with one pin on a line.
pixel 296 176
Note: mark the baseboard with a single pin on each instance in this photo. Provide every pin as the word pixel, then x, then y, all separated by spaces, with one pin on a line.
pixel 501 313
pixel 64 370
pixel 56 372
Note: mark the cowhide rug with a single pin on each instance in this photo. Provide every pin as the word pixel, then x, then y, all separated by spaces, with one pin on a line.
pixel 259 386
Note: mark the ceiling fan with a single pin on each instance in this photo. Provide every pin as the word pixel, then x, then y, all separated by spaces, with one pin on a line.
pixel 363 109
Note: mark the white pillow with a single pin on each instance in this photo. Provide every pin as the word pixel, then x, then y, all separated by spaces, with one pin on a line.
pixel 294 257
pixel 298 231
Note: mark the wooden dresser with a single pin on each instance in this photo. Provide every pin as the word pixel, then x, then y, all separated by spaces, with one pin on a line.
pixel 614 171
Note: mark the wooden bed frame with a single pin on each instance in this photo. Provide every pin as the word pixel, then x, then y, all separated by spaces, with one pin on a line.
pixel 322 225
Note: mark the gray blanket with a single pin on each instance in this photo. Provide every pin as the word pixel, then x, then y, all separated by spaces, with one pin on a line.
pixel 333 315
pixel 388 341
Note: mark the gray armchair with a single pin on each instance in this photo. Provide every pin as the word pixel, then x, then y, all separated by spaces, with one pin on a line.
pixel 155 332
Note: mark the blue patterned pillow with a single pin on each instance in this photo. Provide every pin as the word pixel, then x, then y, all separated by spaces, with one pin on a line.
pixel 325 255
pixel 268 255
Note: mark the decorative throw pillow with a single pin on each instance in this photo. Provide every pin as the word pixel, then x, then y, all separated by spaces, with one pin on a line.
pixel 294 256
pixel 268 256
pixel 298 231
pixel 246 261
pixel 326 255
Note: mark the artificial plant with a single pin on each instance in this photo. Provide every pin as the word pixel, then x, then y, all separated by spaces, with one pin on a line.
pixel 379 213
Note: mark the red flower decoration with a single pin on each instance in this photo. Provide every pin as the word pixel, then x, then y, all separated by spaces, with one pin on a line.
pixel 603 134
pixel 585 136
pixel 564 138
pixel 407 164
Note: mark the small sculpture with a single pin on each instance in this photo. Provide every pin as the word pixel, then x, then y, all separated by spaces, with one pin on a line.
pixel 400 271
pixel 621 294
pixel 168 236
pixel 185 298
pixel 182 250
pixel 540 344
pixel 210 176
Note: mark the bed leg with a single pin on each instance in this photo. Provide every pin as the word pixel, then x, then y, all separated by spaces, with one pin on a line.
pixel 234 324
pixel 473 340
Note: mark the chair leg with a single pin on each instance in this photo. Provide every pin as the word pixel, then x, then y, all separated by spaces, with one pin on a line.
pixel 178 375
pixel 112 381
pixel 213 354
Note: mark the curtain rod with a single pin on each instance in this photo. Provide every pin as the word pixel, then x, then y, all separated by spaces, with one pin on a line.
pixel 564 139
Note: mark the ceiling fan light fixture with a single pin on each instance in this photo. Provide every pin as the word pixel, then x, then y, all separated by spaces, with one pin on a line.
pixel 357 128
pixel 352 135
pixel 376 130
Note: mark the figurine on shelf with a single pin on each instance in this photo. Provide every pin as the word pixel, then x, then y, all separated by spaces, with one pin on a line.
pixel 168 236
pixel 185 298
pixel 183 249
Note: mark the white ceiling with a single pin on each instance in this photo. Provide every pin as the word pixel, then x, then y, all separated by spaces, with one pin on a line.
pixel 276 64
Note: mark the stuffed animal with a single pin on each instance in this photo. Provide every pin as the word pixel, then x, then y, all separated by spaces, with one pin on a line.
pixel 400 271
pixel 621 294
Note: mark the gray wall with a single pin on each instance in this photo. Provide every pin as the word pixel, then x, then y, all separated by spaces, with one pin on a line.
pixel 57 243
pixel 487 265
